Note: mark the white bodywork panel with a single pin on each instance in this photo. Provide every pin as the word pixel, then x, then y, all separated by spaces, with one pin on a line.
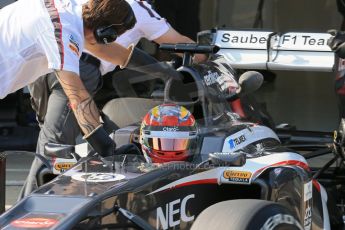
pixel 250 49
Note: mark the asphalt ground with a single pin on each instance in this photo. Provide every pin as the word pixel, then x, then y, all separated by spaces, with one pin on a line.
pixel 17 169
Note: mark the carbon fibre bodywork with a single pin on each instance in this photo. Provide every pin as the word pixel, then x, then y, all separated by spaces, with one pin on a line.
pixel 170 195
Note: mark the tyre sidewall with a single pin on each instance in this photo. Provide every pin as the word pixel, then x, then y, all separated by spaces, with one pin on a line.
pixel 273 217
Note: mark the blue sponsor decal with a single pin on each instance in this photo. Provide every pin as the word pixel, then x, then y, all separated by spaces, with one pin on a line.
pixel 236 141
pixel 232 144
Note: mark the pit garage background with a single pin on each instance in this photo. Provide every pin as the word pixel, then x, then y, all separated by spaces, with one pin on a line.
pixel 304 99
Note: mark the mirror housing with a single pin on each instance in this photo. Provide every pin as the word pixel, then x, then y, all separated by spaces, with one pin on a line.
pixel 228 158
pixel 59 150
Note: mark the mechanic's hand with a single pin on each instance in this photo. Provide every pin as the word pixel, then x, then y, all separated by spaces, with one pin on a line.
pixel 101 142
pixel 337 42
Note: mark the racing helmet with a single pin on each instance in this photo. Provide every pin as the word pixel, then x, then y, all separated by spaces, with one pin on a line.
pixel 168 133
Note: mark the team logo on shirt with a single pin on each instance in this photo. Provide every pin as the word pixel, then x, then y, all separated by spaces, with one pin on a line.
pixel 73 45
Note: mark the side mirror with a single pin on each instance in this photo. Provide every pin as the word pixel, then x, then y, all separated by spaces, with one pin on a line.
pixel 249 82
pixel 227 158
pixel 59 150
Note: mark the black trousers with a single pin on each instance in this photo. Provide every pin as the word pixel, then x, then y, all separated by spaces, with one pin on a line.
pixel 56 119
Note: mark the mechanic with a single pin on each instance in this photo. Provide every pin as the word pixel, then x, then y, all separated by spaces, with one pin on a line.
pixel 57 123
pixel 336 45
pixel 51 40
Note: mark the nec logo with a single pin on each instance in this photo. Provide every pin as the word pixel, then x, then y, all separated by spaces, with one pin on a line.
pixel 175 211
pixel 236 141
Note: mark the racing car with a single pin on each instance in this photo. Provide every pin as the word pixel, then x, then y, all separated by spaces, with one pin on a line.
pixel 240 175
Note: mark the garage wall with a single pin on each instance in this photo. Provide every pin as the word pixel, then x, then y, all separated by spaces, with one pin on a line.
pixel 304 99
pixel 319 15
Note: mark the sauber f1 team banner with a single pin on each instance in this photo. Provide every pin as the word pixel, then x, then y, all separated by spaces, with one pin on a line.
pixel 249 49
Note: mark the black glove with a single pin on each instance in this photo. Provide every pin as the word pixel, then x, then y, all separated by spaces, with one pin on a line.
pixel 337 42
pixel 101 142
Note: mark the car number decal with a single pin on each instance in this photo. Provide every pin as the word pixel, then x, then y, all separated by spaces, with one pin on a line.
pixel 98 177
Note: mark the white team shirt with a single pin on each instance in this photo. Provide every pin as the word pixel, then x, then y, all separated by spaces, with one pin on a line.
pixel 149 25
pixel 37 37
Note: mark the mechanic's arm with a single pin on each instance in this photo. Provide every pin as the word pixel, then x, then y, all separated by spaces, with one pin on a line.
pixel 81 102
pixel 86 112
pixel 113 52
pixel 172 36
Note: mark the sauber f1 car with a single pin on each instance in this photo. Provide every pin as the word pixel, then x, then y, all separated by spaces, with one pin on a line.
pixel 240 176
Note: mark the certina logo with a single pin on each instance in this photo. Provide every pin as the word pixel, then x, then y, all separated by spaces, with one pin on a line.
pixel 237 176
pixel 236 141
pixel 173 213
pixel 244 39
pixel 171 129
pixel 211 78
pixel 63 166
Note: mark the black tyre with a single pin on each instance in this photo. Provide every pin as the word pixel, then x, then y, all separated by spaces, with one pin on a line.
pixel 246 215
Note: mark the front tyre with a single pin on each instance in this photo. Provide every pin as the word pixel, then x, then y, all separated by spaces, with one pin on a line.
pixel 246 215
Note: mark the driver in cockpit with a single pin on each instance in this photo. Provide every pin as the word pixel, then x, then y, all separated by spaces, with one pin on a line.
pixel 168 133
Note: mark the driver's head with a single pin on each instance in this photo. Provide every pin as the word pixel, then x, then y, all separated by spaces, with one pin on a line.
pixel 168 133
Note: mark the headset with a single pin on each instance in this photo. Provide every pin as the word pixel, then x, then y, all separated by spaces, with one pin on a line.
pixel 108 34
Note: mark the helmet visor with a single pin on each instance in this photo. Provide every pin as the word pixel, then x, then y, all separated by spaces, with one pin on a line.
pixel 166 144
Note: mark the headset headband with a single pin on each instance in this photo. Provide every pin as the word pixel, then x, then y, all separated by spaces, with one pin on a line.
pixel 108 34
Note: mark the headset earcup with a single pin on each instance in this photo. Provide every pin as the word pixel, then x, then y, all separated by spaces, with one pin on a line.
pixel 105 34
pixel 98 34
